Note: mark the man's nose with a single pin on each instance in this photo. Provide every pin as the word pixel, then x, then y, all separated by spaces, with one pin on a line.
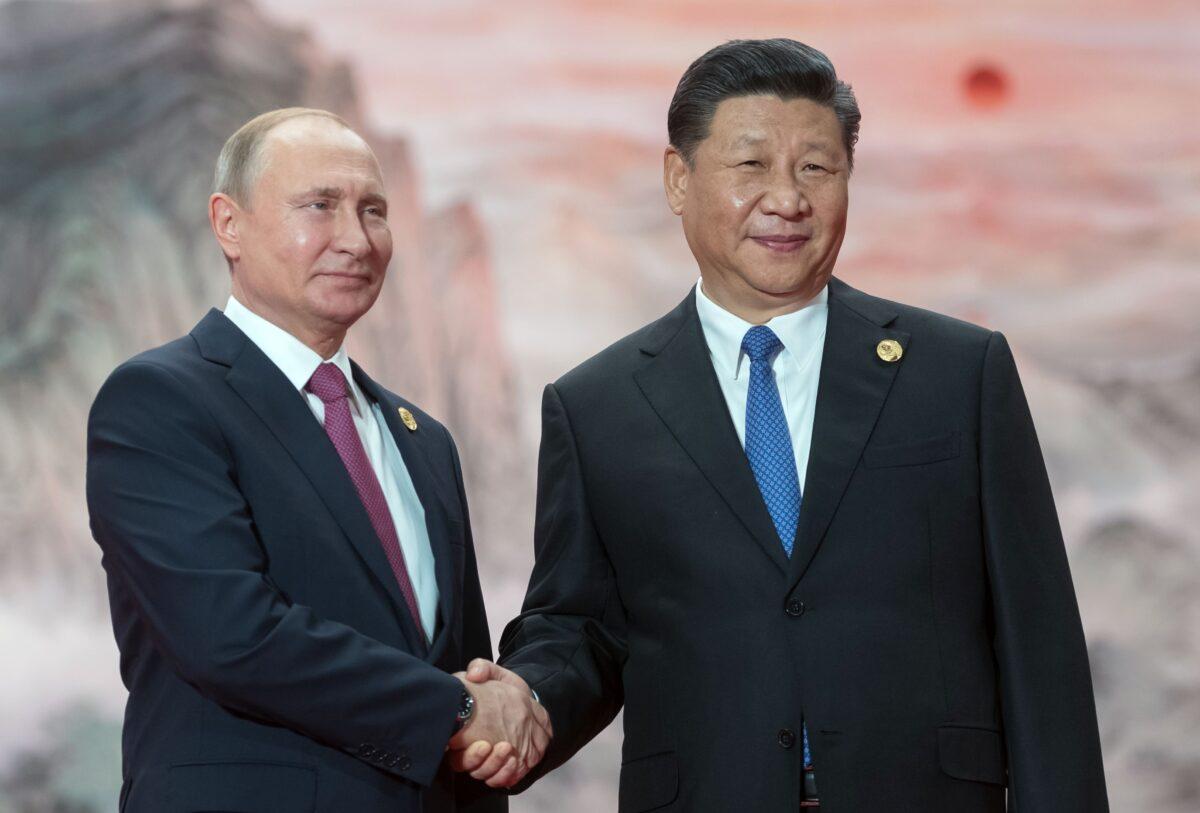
pixel 785 196
pixel 349 235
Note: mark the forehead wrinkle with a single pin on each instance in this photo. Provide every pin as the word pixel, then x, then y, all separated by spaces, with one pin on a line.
pixel 758 139
pixel 332 166
pixel 764 117
pixel 749 140
pixel 822 146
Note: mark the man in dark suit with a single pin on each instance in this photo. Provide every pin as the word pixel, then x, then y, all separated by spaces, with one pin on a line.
pixel 289 555
pixel 803 535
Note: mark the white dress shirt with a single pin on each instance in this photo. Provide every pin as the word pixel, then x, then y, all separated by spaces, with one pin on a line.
pixel 797 366
pixel 298 362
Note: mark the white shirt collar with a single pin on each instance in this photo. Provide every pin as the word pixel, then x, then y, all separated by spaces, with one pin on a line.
pixel 293 357
pixel 802 332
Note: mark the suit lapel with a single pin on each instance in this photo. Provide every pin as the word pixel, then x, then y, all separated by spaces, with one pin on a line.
pixel 414 449
pixel 267 391
pixel 854 383
pixel 681 386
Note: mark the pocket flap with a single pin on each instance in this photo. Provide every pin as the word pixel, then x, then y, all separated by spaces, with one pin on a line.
pixel 649 782
pixel 912 452
pixel 244 787
pixel 976 754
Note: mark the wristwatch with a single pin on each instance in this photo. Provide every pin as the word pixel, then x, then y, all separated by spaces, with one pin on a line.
pixel 466 707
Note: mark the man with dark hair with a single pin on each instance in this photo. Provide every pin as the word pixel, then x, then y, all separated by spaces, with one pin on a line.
pixel 803 535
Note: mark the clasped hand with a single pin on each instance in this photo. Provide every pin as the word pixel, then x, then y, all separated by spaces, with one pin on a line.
pixel 508 732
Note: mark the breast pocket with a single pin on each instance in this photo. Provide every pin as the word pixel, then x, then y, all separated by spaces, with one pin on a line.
pixel 913 452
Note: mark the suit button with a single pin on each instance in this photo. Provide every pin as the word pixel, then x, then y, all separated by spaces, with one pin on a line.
pixel 405 764
pixel 366 751
pixel 786 738
pixel 795 608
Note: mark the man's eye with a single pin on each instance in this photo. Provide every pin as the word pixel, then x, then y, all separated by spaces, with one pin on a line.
pixel 319 205
pixel 811 167
pixel 751 164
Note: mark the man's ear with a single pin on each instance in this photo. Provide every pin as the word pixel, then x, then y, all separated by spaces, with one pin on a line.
pixel 225 216
pixel 675 179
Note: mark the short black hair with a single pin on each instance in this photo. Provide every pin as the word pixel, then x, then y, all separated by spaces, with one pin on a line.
pixel 778 67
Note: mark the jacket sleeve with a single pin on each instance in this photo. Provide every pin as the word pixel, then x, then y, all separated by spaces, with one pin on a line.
pixel 1046 687
pixel 569 642
pixel 178 535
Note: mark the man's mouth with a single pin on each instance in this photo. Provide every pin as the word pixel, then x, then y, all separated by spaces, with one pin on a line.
pixel 782 243
pixel 346 275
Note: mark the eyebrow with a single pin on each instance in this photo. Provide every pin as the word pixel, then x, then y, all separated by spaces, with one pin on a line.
pixel 322 192
pixel 375 199
pixel 335 193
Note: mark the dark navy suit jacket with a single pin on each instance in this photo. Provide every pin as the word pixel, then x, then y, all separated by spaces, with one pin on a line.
pixel 270 661
pixel 925 625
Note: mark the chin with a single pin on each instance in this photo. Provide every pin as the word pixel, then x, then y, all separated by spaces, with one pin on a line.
pixel 782 282
pixel 346 307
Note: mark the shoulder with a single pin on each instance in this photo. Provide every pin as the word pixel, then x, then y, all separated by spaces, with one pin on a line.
pixel 617 362
pixel 174 384
pixel 158 400
pixel 618 359
pixel 942 327
pixel 165 372
pixel 938 345
pixel 922 323
pixel 939 349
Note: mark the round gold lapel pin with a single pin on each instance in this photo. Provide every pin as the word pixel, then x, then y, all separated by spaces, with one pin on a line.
pixel 408 420
pixel 889 350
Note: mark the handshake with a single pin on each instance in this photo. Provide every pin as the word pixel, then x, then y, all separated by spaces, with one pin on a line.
pixel 507 733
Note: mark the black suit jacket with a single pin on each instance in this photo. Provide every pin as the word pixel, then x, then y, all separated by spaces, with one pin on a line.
pixel 925 626
pixel 270 659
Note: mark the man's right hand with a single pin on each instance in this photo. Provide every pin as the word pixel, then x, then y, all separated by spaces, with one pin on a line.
pixel 508 718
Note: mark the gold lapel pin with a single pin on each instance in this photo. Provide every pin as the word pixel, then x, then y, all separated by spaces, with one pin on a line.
pixel 408 420
pixel 889 350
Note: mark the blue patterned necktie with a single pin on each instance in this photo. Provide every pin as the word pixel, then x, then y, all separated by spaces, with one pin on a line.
pixel 769 445
pixel 768 441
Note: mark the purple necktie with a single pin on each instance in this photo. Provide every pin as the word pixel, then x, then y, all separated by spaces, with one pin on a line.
pixel 328 384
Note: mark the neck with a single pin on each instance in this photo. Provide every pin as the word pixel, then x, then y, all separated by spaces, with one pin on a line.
pixel 757 307
pixel 323 342
pixel 323 346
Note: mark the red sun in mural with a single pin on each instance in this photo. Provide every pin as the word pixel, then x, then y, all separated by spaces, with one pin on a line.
pixel 986 86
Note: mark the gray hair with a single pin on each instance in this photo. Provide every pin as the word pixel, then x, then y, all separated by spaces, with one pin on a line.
pixel 241 159
pixel 778 67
